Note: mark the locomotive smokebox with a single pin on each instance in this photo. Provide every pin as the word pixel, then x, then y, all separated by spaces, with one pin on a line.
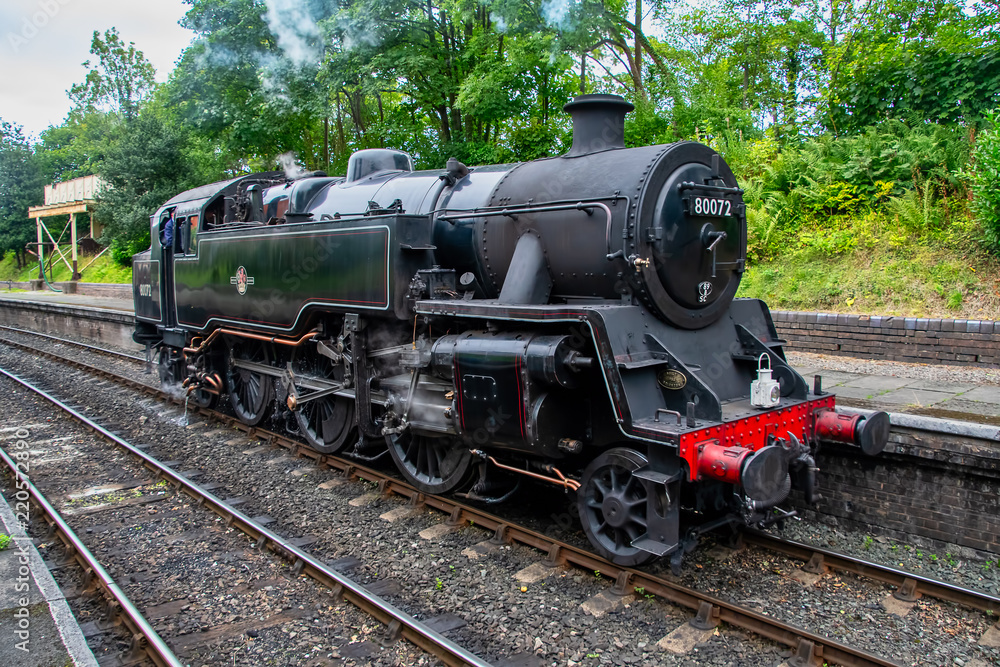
pixel 598 123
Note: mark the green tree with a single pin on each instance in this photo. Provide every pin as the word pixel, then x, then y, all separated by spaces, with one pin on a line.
pixel 77 147
pixel 244 91
pixel 144 166
pixel 21 186
pixel 120 80
pixel 916 60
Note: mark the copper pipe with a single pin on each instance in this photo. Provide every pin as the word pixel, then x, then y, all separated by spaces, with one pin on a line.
pixel 195 387
pixel 563 481
pixel 202 345
pixel 242 334
pixel 215 381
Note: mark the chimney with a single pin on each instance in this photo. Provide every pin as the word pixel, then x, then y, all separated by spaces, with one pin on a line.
pixel 598 123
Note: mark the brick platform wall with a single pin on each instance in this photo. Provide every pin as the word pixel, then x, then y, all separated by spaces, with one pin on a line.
pixel 934 490
pixel 910 339
pixel 97 325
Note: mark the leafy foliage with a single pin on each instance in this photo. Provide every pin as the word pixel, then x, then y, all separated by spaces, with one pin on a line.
pixel 907 178
pixel 143 167
pixel 849 122
pixel 21 183
pixel 985 177
pixel 121 80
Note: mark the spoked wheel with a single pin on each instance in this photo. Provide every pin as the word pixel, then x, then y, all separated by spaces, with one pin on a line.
pixel 612 506
pixel 251 393
pixel 327 423
pixel 433 465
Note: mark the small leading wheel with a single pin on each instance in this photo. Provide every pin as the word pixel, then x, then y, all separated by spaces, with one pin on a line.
pixel 328 423
pixel 433 465
pixel 167 366
pixel 612 506
pixel 251 393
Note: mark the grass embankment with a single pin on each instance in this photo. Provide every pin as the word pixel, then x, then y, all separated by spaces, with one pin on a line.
pixel 878 223
pixel 913 280
pixel 104 270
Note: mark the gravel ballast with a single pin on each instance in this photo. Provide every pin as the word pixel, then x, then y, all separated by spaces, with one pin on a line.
pixel 544 619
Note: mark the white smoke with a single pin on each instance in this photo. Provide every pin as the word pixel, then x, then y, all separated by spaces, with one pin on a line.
pixel 357 31
pixel 292 169
pixel 208 55
pixel 556 13
pixel 297 33
pixel 499 22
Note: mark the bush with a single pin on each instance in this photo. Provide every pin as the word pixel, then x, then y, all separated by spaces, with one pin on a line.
pixel 985 178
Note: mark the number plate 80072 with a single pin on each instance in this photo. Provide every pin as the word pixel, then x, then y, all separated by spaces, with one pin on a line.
pixel 710 206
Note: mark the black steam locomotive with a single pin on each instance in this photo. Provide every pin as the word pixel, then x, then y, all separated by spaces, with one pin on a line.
pixel 570 320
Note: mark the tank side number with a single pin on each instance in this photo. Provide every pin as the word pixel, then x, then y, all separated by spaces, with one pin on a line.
pixel 711 206
pixel 145 290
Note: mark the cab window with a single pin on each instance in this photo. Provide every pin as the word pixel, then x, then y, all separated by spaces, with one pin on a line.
pixel 192 235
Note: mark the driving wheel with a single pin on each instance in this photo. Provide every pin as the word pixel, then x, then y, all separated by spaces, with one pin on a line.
pixel 433 465
pixel 251 392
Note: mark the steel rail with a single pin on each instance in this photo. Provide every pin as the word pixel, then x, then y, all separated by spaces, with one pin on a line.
pixel 94 348
pixel 626 579
pixel 399 622
pixel 909 585
pixel 559 553
pixel 972 598
pixel 153 644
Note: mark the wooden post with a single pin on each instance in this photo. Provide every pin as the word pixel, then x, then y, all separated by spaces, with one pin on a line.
pixel 72 240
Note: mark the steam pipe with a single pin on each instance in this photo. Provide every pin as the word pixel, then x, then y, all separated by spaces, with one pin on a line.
pixel 242 334
pixel 562 480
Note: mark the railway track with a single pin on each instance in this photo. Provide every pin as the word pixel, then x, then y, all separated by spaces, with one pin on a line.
pixel 76 344
pixel 145 638
pixel 397 622
pixel 909 586
pixel 709 610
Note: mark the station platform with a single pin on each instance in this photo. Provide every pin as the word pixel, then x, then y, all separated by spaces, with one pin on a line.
pixel 951 392
pixel 69 299
pixel 37 627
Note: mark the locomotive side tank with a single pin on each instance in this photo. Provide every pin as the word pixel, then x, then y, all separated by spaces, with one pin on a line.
pixel 571 320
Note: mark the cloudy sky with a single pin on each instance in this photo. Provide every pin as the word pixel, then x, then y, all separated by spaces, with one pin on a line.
pixel 44 42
